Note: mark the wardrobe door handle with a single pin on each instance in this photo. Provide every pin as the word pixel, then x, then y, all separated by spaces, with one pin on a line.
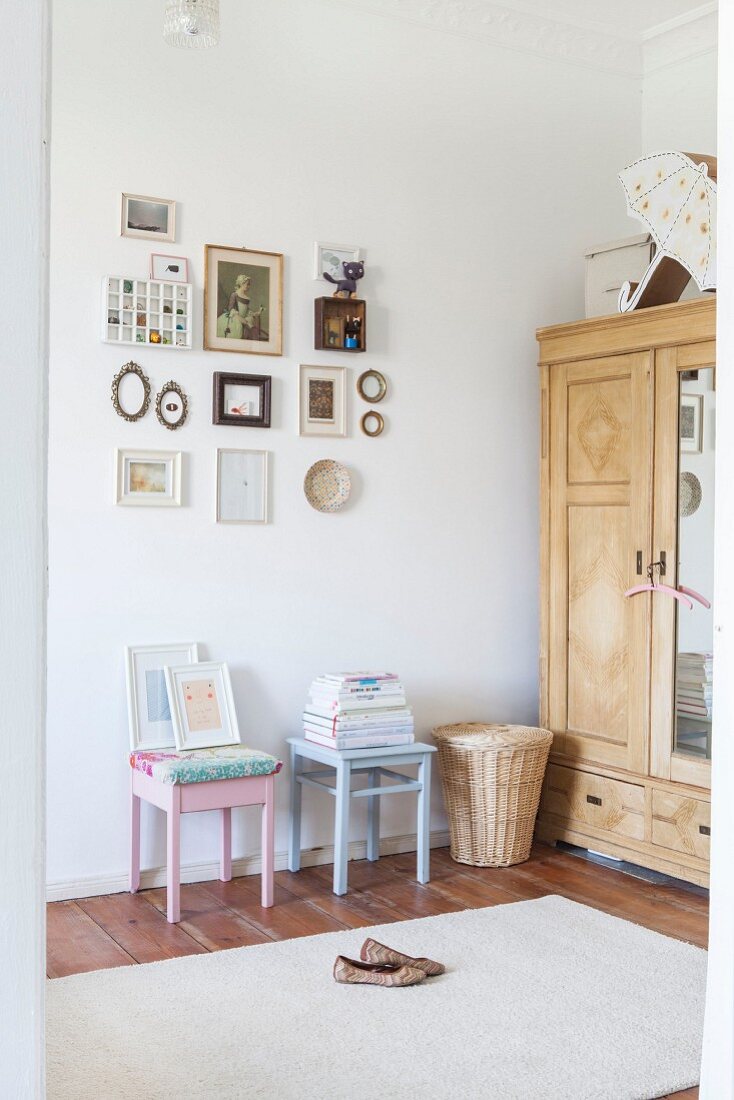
pixel 593 799
pixel 704 830
pixel 639 563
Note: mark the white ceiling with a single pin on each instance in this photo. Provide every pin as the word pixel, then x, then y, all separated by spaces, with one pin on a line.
pixel 621 18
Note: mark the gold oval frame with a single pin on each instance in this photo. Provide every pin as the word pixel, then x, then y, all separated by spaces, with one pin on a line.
pixel 130 368
pixel 380 423
pixel 172 387
pixel 381 380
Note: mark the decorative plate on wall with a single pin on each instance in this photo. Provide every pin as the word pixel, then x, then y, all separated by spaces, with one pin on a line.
pixel 327 485
pixel 689 494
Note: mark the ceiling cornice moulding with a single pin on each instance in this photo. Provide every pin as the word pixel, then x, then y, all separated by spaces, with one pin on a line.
pixel 513 26
pixel 516 29
pixel 680 39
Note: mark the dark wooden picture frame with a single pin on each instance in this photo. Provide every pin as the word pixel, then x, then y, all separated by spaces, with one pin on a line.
pixel 222 379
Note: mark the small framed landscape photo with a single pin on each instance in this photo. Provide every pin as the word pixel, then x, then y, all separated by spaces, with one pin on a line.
pixel 169 269
pixel 322 401
pixel 691 423
pixel 143 216
pixel 202 705
pixel 330 257
pixel 149 715
pixel 243 300
pixel 241 400
pixel 242 486
pixel 148 478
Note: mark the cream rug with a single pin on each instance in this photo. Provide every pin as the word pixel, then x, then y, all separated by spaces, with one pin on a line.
pixel 543 999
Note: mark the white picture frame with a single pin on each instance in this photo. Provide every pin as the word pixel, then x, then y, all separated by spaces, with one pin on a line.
pixel 322 401
pixel 147 478
pixel 691 423
pixel 148 708
pixel 330 257
pixel 242 486
pixel 202 705
pixel 144 217
pixel 169 269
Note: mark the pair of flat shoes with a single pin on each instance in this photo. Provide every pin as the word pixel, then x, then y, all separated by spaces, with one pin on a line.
pixel 381 965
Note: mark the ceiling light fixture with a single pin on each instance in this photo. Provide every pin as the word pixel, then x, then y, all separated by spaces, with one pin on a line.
pixel 191 24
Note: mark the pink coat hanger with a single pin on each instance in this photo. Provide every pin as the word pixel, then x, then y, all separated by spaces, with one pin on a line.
pixel 694 594
pixel 653 586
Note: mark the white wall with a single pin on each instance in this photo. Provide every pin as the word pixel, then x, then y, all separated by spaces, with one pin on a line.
pixel 459 168
pixel 23 368
pixel 679 106
pixel 717 1074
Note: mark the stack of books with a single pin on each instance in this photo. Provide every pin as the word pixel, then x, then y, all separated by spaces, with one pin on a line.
pixel 694 685
pixel 357 710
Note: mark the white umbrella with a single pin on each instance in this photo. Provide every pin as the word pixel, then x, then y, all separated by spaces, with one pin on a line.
pixel 674 195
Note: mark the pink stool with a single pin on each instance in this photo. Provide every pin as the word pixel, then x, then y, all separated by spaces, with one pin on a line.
pixel 203 779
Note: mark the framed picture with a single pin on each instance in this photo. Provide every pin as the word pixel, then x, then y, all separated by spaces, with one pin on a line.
pixel 242 400
pixel 322 401
pixel 149 715
pixel 148 478
pixel 143 216
pixel 691 423
pixel 169 269
pixel 330 257
pixel 334 328
pixel 243 300
pixel 242 486
pixel 202 705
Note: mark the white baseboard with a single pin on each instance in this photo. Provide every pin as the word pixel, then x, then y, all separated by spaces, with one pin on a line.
pixel 247 865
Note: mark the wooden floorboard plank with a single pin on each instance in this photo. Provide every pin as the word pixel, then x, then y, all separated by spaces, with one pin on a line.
pixel 76 944
pixel 612 894
pixel 140 928
pixel 289 918
pixel 406 896
pixel 354 910
pixel 470 891
pixel 207 920
pixel 679 896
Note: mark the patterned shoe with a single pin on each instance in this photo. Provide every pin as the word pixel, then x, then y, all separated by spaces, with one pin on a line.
pixel 351 972
pixel 374 952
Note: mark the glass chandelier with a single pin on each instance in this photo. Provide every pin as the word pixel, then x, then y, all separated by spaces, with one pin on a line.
pixel 191 24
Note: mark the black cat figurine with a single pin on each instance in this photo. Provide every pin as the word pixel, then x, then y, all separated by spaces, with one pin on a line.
pixel 353 270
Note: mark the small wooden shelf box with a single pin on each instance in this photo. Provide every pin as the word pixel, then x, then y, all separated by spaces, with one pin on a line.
pixel 331 316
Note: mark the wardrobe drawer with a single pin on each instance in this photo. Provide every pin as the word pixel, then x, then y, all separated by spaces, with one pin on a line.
pixel 595 800
pixel 681 823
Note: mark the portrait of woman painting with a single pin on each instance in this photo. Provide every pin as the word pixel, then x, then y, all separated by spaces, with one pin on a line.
pixel 243 300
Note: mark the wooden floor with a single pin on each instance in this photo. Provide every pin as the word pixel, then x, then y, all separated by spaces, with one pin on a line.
pixel 125 929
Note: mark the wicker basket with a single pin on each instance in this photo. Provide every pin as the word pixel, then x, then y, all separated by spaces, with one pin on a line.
pixel 491 777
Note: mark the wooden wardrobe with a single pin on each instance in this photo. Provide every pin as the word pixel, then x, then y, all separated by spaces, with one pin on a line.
pixel 629 774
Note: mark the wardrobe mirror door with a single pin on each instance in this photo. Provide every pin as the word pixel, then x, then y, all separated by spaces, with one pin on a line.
pixel 694 680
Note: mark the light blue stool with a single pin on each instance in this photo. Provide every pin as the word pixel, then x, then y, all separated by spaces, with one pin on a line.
pixel 343 765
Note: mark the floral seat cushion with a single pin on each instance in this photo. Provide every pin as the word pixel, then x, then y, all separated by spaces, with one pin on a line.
pixel 204 765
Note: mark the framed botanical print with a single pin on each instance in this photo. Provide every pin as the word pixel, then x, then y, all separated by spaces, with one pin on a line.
pixel 242 486
pixel 202 705
pixel 322 401
pixel 149 714
pixel 243 300
pixel 148 478
pixel 241 400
